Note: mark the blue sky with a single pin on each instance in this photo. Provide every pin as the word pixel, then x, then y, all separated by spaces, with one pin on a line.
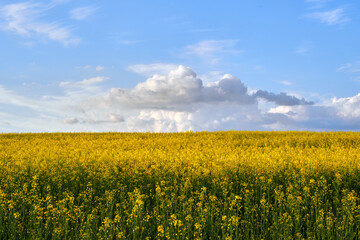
pixel 69 65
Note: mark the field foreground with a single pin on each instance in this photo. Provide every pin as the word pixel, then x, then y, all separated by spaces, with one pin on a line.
pixel 220 185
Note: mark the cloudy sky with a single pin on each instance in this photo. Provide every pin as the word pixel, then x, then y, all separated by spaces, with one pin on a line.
pixel 165 66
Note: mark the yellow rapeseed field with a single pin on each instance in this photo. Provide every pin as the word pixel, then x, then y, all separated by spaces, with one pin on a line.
pixel 205 185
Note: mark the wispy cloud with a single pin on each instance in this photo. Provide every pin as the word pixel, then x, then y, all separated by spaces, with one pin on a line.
pixel 303 49
pixel 89 67
pixel 210 47
pixel 86 67
pixel 128 42
pixel 148 70
pixel 25 19
pixel 99 68
pixel 203 30
pixel 286 83
pixel 124 38
pixel 82 13
pixel 257 67
pixel 336 16
pixel 317 3
pixel 109 118
pixel 350 67
pixel 213 50
pixel 71 120
pixel 85 82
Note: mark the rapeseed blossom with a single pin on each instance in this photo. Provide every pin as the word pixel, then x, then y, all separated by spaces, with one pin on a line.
pixel 218 185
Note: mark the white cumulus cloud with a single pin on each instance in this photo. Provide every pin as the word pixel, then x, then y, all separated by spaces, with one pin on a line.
pixel 176 101
pixel 182 89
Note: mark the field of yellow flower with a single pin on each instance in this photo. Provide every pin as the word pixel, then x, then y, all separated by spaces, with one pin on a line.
pixel 205 185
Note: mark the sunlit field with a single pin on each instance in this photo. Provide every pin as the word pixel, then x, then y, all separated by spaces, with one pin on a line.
pixel 205 185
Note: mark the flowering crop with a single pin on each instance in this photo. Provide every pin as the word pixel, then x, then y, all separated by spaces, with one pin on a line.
pixel 205 185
